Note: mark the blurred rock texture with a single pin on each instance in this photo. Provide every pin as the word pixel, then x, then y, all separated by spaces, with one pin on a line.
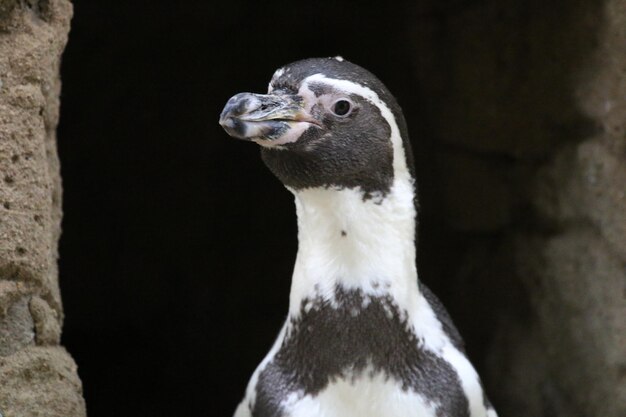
pixel 37 376
pixel 531 102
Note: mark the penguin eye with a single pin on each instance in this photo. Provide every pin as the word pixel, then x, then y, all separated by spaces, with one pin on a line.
pixel 342 107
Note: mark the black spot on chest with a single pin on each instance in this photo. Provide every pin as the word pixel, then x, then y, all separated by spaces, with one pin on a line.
pixel 345 340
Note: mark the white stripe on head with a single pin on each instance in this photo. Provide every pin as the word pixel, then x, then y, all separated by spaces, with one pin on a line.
pixel 349 87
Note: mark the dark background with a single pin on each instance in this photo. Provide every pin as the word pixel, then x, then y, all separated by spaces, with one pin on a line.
pixel 178 243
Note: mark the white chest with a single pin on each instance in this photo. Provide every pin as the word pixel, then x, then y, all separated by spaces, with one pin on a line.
pixel 365 396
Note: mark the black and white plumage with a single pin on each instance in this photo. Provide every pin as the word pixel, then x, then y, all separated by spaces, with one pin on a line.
pixel 363 337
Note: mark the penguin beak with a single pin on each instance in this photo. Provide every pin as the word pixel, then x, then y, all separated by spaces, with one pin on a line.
pixel 265 118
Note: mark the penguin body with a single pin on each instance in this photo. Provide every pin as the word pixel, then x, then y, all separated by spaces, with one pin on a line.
pixel 363 337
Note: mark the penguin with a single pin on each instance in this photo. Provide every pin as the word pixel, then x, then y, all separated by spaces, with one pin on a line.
pixel 363 336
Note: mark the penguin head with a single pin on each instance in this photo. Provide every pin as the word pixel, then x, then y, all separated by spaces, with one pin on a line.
pixel 325 122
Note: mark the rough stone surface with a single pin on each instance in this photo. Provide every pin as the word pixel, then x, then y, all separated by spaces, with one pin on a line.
pixel 527 102
pixel 40 382
pixel 35 381
pixel 45 322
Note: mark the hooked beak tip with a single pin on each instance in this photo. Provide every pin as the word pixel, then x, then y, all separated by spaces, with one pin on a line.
pixel 257 117
pixel 226 122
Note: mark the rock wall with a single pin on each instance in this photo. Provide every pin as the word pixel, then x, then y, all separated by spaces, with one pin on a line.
pixel 37 376
pixel 527 107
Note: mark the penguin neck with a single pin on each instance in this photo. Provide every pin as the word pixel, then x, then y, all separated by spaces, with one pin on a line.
pixel 346 242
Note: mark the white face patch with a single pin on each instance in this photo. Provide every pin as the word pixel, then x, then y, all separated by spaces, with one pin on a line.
pixel 326 101
pixel 341 90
